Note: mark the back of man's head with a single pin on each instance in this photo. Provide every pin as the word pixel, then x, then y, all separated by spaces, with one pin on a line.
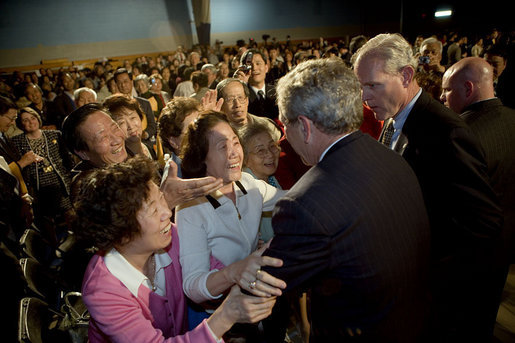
pixel 71 124
pixel 466 82
pixel 325 91
pixel 199 79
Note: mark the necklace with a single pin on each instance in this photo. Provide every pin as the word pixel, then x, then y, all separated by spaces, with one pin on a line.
pixel 152 272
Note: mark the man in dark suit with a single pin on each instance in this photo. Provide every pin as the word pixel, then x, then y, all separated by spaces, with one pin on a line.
pixel 449 163
pixel 124 84
pixel 361 253
pixel 468 90
pixel 64 103
pixel 261 95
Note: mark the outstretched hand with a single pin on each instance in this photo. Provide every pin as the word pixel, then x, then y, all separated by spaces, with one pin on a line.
pixel 209 101
pixel 239 308
pixel 248 275
pixel 178 191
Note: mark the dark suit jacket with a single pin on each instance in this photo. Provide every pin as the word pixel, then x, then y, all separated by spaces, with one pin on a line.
pixel 264 108
pixel 362 252
pixel 62 106
pixel 463 210
pixel 494 125
pixel 151 119
pixel 9 151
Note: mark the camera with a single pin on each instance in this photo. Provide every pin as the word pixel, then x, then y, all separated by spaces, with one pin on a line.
pixel 423 60
pixel 246 66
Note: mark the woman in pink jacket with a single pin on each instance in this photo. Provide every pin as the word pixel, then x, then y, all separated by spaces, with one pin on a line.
pixel 133 285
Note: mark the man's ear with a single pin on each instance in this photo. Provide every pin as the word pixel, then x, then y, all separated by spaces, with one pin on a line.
pixel 82 154
pixel 305 127
pixel 407 74
pixel 469 88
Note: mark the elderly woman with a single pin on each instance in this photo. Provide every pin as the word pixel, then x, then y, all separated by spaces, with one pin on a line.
pixel 133 285
pixel 172 125
pixel 261 159
pixel 48 180
pixel 225 223
pixel 128 115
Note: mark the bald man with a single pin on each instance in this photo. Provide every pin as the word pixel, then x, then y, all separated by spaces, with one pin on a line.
pixel 469 91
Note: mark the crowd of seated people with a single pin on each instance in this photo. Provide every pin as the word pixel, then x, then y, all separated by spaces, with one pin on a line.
pixel 147 106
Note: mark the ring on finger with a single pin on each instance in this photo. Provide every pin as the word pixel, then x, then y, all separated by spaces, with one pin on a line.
pixel 252 284
pixel 257 273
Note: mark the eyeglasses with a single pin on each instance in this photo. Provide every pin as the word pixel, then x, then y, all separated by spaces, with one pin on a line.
pixel 231 99
pixel 11 119
pixel 262 152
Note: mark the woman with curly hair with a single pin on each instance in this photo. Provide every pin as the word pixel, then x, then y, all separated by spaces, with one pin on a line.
pixel 133 285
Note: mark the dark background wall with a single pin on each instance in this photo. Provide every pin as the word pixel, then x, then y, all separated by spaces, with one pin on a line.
pixel 31 30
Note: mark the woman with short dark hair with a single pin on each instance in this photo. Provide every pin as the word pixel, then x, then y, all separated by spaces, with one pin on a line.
pixel 133 285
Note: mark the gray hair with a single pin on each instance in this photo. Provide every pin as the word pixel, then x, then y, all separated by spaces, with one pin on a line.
pixel 392 48
pixel 142 77
pixel 77 92
pixel 326 91
pixel 431 40
pixel 209 67
pixel 222 84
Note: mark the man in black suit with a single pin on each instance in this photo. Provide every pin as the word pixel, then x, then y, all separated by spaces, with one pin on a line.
pixel 361 253
pixel 261 95
pixel 124 84
pixel 64 103
pixel 468 90
pixel 449 163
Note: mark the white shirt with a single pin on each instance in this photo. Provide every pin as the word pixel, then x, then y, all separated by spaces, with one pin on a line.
pixel 401 117
pixel 204 230
pixel 256 90
pixel 133 278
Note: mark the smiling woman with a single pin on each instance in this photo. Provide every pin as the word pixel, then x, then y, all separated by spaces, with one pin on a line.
pixel 133 285
pixel 225 223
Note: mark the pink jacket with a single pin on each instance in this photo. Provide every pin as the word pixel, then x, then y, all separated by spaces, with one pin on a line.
pixel 118 316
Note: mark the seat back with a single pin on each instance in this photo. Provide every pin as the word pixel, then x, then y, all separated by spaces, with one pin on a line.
pixel 37 323
pixel 41 281
pixel 34 245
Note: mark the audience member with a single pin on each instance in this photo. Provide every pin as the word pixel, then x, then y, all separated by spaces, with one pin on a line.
pixel 44 108
pixel 48 180
pixel 173 123
pixel 136 273
pixel 128 115
pixel 448 160
pixel 455 51
pixel 253 70
pixel 156 89
pixel 332 243
pixel 235 95
pixel 497 56
pixel 64 103
pixel 225 223
pixel 200 85
pixel 124 85
pixel 83 96
pixel 431 56
pixel 185 86
pixel 211 72
pixel 261 157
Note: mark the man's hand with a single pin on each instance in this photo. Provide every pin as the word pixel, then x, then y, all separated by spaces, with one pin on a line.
pixel 239 74
pixel 209 101
pixel 178 191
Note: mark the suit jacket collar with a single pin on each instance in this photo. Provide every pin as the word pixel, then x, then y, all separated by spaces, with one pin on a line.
pixel 480 107
pixel 343 142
